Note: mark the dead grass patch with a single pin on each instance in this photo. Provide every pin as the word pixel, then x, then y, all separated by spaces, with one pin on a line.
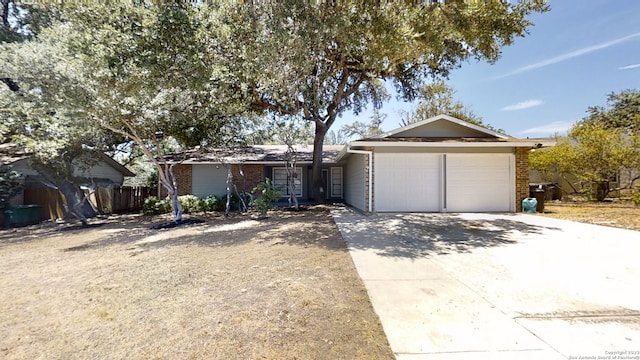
pixel 280 288
pixel 617 214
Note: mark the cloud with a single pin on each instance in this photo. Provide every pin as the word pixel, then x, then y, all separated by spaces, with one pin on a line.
pixel 523 105
pixel 571 55
pixel 629 67
pixel 548 129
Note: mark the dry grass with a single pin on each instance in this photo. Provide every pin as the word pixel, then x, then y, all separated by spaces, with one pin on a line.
pixel 280 288
pixel 616 214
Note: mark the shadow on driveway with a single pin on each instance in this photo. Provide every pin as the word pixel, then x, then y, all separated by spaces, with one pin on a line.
pixel 421 235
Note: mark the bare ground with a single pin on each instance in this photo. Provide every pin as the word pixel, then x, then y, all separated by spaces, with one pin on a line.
pixel 616 214
pixel 280 288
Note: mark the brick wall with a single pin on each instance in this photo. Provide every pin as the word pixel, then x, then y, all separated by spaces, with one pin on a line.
pixel 254 175
pixel 522 176
pixel 183 177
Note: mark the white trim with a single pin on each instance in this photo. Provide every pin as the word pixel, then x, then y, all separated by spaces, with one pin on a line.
pixel 448 118
pixel 523 143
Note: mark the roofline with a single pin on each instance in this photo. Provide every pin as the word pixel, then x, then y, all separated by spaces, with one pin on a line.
pixel 519 143
pixel 444 117
pixel 116 165
pixel 211 162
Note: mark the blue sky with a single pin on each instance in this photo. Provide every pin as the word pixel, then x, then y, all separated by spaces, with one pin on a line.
pixel 574 56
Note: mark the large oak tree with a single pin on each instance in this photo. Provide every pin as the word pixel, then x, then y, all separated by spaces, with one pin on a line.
pixel 320 59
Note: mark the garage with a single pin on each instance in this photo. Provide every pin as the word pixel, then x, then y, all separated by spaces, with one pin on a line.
pixel 410 182
pixel 440 164
pixel 427 182
pixel 479 182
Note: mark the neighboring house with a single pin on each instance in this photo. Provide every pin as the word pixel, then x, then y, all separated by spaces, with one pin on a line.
pixel 441 164
pixel 105 173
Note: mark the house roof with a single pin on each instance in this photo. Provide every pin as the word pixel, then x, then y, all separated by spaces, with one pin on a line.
pixel 442 126
pixel 447 131
pixel 11 152
pixel 263 154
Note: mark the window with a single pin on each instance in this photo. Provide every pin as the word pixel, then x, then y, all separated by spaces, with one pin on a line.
pixel 280 178
pixel 336 182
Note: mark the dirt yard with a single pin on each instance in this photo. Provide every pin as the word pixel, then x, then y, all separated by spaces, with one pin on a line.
pixel 227 288
pixel 616 214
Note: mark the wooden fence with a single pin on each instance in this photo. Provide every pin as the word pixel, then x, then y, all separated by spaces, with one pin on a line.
pixel 117 199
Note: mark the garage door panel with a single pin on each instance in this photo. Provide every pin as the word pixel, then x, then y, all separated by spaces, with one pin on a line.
pixel 478 182
pixel 407 182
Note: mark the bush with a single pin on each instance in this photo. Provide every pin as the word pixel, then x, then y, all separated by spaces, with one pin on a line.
pixel 265 194
pixel 190 203
pixel 212 203
pixel 154 206
pixel 636 197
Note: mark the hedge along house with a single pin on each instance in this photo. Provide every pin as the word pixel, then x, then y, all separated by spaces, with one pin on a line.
pixel 204 174
pixel 441 164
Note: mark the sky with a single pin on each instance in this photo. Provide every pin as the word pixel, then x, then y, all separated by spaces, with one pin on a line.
pixel 573 57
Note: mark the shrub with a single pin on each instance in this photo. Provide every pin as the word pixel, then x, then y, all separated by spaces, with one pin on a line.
pixel 154 206
pixel 189 203
pixel 265 194
pixel 211 203
pixel 636 197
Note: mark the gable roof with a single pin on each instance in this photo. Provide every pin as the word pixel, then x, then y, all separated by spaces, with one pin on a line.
pixel 11 152
pixel 442 126
pixel 259 154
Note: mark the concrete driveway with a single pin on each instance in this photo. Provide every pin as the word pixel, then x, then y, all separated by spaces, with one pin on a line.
pixel 498 286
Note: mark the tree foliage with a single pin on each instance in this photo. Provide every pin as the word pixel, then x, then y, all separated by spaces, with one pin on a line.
pixel 10 185
pixel 320 59
pixel 438 98
pixel 598 148
pixel 140 73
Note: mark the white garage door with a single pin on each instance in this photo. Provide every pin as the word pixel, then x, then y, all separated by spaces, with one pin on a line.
pixel 471 182
pixel 478 182
pixel 407 182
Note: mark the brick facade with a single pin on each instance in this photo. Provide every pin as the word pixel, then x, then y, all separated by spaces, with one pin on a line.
pixel 522 176
pixel 254 175
pixel 183 177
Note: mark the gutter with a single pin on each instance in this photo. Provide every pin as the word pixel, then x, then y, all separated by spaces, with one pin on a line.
pixel 370 154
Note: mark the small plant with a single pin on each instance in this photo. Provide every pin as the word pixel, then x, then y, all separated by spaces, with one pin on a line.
pixel 264 195
pixel 154 206
pixel 636 196
pixel 212 203
pixel 190 203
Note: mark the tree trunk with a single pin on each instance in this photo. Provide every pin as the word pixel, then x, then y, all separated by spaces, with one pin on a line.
pixel 77 205
pixel 170 183
pixel 319 191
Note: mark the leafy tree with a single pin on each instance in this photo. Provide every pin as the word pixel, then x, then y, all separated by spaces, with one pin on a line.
pixel 10 186
pixel 594 154
pixel 362 130
pixel 438 98
pixel 621 112
pixel 320 59
pixel 130 74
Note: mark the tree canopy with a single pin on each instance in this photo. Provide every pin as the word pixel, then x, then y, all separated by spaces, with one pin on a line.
pixel 599 147
pixel 320 59
pixel 439 98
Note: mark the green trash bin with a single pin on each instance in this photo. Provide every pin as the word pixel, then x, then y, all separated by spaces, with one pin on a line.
pixel 22 215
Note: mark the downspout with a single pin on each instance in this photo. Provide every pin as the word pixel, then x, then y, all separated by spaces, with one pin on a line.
pixel 370 154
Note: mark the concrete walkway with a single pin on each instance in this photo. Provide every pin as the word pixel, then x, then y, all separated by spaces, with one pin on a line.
pixel 498 286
